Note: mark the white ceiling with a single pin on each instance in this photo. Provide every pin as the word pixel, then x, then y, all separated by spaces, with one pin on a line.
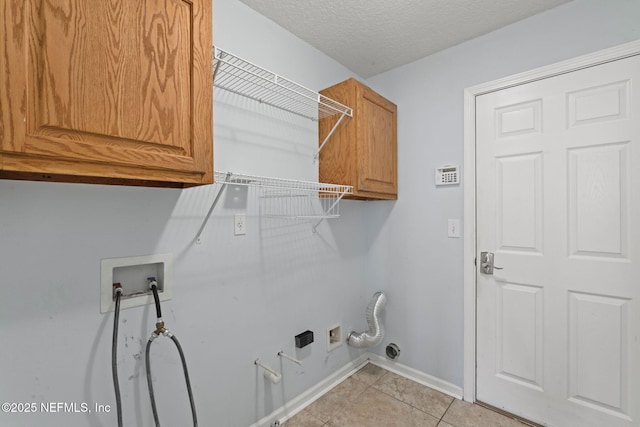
pixel 373 36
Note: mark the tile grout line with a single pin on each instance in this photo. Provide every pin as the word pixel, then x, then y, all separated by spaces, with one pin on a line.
pixel 445 412
pixel 372 386
pixel 358 394
pixel 409 404
pixel 393 397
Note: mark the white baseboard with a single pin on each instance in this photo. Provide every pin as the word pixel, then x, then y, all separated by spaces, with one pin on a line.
pixel 305 399
pixel 417 376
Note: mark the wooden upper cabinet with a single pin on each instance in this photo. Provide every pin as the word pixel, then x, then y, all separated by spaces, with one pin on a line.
pixel 107 91
pixel 363 150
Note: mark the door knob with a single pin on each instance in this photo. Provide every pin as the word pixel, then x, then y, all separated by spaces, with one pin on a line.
pixel 486 263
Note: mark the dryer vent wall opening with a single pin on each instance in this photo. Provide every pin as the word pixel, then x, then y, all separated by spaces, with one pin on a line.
pixel 376 332
pixel 392 351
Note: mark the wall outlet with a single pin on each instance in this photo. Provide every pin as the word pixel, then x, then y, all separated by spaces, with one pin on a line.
pixel 240 224
pixel 334 337
pixel 132 274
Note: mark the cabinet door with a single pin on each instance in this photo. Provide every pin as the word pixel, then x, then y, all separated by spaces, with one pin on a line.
pixel 377 143
pixel 107 89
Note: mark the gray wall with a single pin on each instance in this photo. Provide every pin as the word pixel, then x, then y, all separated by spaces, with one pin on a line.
pixel 239 298
pixel 235 298
pixel 411 256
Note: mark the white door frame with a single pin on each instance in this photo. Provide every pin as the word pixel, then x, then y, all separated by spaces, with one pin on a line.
pixel 470 94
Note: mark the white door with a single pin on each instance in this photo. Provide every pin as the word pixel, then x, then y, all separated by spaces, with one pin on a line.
pixel 558 202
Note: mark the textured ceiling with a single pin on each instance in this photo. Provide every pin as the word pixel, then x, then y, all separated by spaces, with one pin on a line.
pixel 373 36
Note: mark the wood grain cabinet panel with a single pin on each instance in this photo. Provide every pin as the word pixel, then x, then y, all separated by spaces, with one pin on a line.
pixel 107 91
pixel 363 150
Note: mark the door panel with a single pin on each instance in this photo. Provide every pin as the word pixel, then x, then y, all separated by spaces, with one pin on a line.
pixel 519 119
pixel 519 202
pixel 558 202
pixel 519 333
pixel 599 183
pixel 598 346
pixel 598 104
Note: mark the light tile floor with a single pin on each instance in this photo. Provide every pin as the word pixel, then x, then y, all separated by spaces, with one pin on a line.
pixel 374 396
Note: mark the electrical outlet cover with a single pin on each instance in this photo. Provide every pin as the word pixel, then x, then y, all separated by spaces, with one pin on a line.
pixel 334 337
pixel 240 224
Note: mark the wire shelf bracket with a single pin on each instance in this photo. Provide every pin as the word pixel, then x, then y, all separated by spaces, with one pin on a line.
pixel 225 181
pixel 285 198
pixel 244 78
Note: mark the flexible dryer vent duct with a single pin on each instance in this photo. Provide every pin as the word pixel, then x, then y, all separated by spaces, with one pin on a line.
pixel 375 333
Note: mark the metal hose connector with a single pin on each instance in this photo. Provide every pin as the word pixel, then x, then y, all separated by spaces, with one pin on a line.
pixel 375 333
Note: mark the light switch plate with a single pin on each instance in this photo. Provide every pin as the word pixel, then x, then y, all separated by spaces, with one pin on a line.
pixel 453 228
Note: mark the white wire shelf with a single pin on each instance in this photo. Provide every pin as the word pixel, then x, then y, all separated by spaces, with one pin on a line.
pixel 327 190
pixel 286 198
pixel 242 77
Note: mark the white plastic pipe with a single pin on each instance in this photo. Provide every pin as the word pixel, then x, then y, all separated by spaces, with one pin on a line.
pixel 286 356
pixel 274 378
pixel 375 333
pixel 269 373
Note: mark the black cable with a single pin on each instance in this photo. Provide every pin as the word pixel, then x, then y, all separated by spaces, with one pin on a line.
pixel 154 408
pixel 154 289
pixel 150 384
pixel 186 378
pixel 114 357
